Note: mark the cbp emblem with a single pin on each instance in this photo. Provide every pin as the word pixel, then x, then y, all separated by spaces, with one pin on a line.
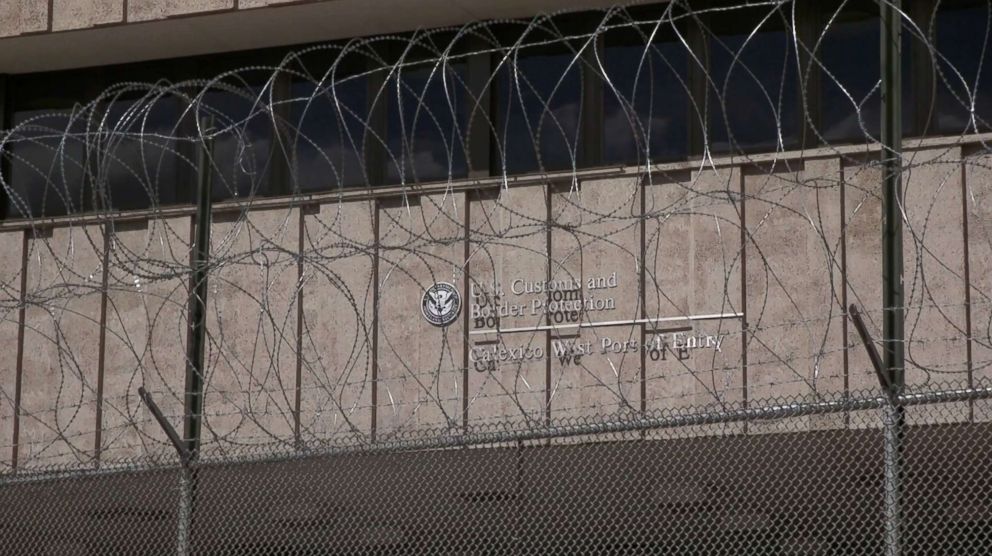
pixel 441 304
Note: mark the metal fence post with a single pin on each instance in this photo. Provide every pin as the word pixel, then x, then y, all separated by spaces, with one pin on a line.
pixel 893 429
pixel 198 298
pixel 185 517
pixel 893 320
pixel 197 340
pixel 186 485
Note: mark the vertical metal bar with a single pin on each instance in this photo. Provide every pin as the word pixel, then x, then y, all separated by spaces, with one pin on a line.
pixel 185 516
pixel 549 191
pixel 893 324
pixel 107 229
pixel 479 69
pixel 466 295
pixel 591 134
pixel 298 394
pixel 844 281
pixel 376 206
pixel 744 315
pixel 893 424
pixel 21 313
pixel 892 263
pixel 198 300
pixel 642 280
pixel 969 354
pixel 196 341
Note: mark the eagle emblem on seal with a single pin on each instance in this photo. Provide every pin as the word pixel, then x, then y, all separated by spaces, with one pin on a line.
pixel 441 304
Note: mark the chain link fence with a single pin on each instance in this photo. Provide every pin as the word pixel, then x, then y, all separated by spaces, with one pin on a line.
pixel 639 211
pixel 785 476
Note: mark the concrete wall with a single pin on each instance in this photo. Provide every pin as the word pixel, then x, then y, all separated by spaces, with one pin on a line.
pixel 61 373
pixel 978 197
pixel 718 286
pixel 508 240
pixel 21 17
pixel 419 367
pixel 147 295
pixel 337 326
pixel 251 321
pixel 11 250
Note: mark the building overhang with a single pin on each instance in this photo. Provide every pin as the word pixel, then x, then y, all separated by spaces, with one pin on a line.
pixel 233 30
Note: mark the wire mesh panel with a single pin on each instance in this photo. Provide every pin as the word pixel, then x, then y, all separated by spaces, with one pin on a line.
pixel 678 482
pixel 128 509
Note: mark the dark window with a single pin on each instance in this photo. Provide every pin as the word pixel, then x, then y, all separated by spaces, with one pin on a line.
pixel 327 121
pixel 850 55
pixel 137 158
pixel 133 149
pixel 50 153
pixel 752 87
pixel 48 167
pixel 539 102
pixel 645 95
pixel 964 77
pixel 242 136
pixel 426 127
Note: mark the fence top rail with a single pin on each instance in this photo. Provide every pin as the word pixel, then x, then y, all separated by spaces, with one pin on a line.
pixel 504 433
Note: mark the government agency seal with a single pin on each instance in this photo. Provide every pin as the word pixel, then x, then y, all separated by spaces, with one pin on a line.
pixel 441 304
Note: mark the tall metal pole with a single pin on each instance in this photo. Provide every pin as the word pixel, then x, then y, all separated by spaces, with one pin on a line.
pixel 893 322
pixel 198 300
pixel 196 341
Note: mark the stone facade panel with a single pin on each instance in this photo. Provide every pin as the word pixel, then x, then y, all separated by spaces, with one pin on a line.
pixel 251 327
pixel 11 250
pixel 61 346
pixel 509 248
pixel 147 301
pixel 795 313
pixel 18 17
pixel 420 365
pixel 595 246
pixel 79 14
pixel 145 10
pixel 338 323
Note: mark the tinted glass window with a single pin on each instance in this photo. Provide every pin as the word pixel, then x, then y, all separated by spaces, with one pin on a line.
pixel 849 51
pixel 753 90
pixel 242 140
pixel 539 96
pixel 48 165
pixel 426 125
pixel 138 163
pixel 51 155
pixel 645 97
pixel 964 77
pixel 327 123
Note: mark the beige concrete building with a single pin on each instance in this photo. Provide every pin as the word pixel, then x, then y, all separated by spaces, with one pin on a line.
pixel 662 232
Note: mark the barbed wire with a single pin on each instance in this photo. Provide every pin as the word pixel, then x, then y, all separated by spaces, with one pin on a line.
pixel 714 279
